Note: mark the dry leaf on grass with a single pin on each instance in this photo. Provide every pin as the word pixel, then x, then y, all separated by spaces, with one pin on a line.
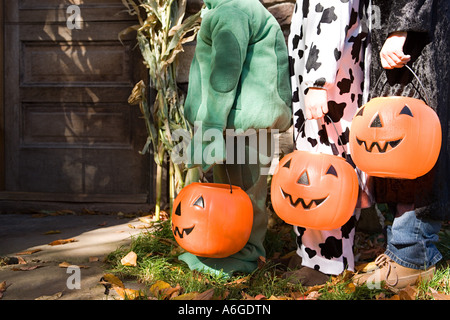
pixel 207 295
pixel 439 296
pixel 240 283
pixel 246 296
pixel 111 281
pixel 408 293
pixel 162 290
pixel 130 259
pixel 61 241
pixel 128 294
pixel 186 296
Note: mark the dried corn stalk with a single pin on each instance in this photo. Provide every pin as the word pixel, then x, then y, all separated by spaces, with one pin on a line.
pixel 161 33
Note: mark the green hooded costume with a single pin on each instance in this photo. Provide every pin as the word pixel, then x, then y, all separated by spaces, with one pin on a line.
pixel 239 79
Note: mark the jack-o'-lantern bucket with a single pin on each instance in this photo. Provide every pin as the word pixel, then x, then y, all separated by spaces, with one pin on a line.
pixel 314 190
pixel 211 219
pixel 395 137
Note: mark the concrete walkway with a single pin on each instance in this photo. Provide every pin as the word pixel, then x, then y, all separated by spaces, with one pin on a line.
pixel 42 276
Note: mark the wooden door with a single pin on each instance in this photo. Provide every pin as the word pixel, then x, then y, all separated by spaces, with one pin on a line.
pixel 69 133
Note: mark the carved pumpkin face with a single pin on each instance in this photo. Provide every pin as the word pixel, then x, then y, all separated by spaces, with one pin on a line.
pixel 210 221
pixel 313 190
pixel 397 137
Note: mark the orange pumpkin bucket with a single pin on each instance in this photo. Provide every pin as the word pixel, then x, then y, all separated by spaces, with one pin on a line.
pixel 314 190
pixel 212 220
pixel 395 137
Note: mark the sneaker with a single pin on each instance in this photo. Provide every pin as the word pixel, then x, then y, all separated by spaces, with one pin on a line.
pixel 393 274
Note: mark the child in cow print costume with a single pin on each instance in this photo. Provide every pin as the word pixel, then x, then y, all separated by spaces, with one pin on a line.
pixel 327 46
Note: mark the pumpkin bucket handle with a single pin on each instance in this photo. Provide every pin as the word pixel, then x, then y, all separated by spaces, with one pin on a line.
pixel 425 98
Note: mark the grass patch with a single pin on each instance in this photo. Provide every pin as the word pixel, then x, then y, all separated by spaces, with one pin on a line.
pixel 157 261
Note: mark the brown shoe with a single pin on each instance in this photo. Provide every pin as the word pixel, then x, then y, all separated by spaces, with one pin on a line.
pixel 306 277
pixel 393 274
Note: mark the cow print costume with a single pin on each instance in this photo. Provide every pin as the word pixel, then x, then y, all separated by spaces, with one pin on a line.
pixel 327 45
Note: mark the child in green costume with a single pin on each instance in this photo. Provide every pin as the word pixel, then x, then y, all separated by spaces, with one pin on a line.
pixel 239 80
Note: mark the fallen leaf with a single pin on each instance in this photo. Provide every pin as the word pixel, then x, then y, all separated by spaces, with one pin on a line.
pixel 29 251
pixel 272 297
pixel 380 296
pixel 3 288
pixel 350 288
pixel 298 295
pixel 128 294
pixel 88 211
pixel 186 296
pixel 160 289
pixel 21 260
pixel 130 259
pixel 207 295
pixel 56 296
pixel 261 262
pixel 112 280
pixel 12 260
pixel 314 295
pixel 408 293
pixel 314 289
pixel 52 232
pixel 67 264
pixel 222 296
pixel 64 265
pixel 94 259
pixel 26 268
pixel 439 296
pixel 158 286
pixel 147 219
pixel 61 241
pixel 173 292
pixel 366 267
pixel 239 283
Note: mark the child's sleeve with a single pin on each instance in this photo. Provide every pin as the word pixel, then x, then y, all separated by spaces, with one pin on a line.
pixel 325 24
pixel 230 34
pixel 411 15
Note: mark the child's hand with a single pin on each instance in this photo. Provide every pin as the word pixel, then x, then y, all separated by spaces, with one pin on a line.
pixel 316 103
pixel 391 54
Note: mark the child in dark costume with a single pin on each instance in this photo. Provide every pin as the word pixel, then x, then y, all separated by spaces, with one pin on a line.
pixel 413 32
